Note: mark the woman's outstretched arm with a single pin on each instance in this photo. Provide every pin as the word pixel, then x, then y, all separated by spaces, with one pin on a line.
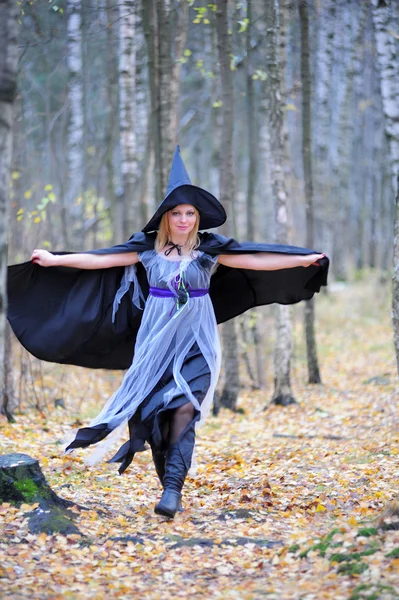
pixel 83 261
pixel 268 261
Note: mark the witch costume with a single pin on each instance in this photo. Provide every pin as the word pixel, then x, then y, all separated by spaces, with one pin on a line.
pixel 158 321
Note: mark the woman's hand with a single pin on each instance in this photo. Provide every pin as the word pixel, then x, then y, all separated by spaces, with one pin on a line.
pixel 43 258
pixel 312 259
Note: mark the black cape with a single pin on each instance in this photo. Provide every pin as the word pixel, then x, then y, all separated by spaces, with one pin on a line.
pixel 63 315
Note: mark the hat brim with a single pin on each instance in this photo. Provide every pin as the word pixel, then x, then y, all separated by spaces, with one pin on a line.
pixel 212 213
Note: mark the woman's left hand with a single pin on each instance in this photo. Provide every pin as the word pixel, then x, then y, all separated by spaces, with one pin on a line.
pixel 311 259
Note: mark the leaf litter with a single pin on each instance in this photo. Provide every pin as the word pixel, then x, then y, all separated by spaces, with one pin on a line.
pixel 287 503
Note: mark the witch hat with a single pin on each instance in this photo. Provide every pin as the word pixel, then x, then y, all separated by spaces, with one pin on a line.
pixel 182 191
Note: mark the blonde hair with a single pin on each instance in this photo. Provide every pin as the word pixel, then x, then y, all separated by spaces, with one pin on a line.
pixel 164 237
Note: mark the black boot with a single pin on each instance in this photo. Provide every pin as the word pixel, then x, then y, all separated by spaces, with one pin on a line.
pixel 178 462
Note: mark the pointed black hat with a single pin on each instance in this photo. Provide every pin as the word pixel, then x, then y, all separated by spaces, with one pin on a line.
pixel 181 191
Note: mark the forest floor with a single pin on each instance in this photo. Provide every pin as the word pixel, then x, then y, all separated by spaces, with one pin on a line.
pixel 285 503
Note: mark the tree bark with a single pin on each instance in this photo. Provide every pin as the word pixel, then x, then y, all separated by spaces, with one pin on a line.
pixel 128 201
pixel 313 366
pixel 165 37
pixel 395 286
pixel 387 45
pixel 252 320
pixel 231 386
pixel 75 153
pixel 274 114
pixel 8 86
pixel 8 402
pixel 112 17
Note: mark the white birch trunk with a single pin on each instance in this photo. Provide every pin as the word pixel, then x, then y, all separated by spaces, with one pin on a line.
pixel 322 107
pixel 384 15
pixel 395 287
pixel 385 18
pixel 75 150
pixel 274 114
pixel 8 83
pixel 127 111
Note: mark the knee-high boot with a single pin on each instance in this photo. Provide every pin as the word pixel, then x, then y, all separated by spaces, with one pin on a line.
pixel 177 464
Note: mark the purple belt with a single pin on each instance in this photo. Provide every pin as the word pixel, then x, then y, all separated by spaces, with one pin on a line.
pixel 163 293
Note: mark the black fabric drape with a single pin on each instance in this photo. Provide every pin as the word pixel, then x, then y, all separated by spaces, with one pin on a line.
pixel 63 315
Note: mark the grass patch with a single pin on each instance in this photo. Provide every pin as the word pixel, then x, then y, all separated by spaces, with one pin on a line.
pixel 369 591
pixel 321 546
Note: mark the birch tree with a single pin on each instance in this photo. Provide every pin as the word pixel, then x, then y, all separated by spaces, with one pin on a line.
pixel 385 12
pixel 112 19
pixel 75 151
pixel 274 114
pixel 313 366
pixel 128 201
pixel 387 45
pixel 165 34
pixel 227 190
pixel 8 84
pixel 251 122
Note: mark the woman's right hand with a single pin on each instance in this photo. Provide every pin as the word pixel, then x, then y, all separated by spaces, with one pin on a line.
pixel 43 258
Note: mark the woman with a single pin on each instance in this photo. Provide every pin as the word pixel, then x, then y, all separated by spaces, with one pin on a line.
pixel 169 385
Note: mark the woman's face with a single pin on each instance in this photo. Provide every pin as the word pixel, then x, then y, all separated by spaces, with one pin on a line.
pixel 182 219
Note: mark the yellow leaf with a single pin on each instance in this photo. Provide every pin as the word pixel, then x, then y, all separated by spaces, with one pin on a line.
pixel 28 194
pixel 15 175
pixel 320 508
pixel 37 220
pixel 48 188
pixel 352 522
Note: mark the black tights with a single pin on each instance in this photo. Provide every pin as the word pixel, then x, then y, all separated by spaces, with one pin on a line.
pixel 179 420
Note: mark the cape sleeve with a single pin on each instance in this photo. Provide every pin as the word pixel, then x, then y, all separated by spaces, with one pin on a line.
pixel 234 291
pixel 64 315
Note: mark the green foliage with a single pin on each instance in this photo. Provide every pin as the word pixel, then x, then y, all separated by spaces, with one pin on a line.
pixel 243 25
pixel 202 14
pixel 352 568
pixel 259 75
pixel 38 214
pixel 369 591
pixel 322 545
pixel 367 531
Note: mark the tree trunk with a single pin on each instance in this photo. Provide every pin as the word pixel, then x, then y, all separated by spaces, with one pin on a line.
pixel 395 287
pixel 165 37
pixel 231 386
pixel 274 115
pixel 75 152
pixel 252 320
pixel 8 86
pixel 313 367
pixel 112 16
pixel 128 201
pixel 388 60
pixel 22 482
pixel 8 402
